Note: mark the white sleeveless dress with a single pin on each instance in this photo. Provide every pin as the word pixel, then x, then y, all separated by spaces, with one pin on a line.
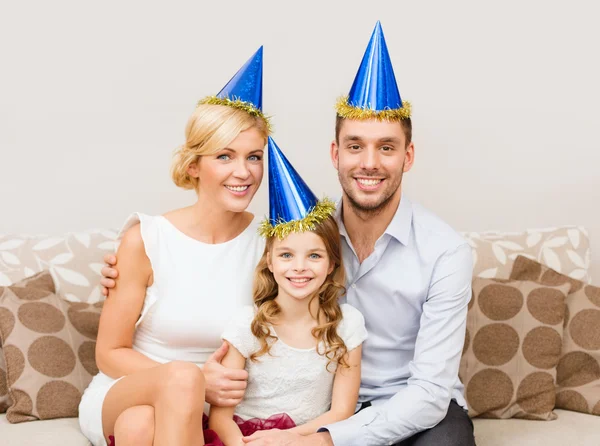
pixel 196 288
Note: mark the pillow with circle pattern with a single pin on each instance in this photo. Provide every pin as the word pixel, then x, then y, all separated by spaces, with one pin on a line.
pixel 49 346
pixel 513 344
pixel 578 369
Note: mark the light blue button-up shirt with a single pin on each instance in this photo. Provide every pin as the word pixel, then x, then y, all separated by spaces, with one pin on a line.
pixel 413 291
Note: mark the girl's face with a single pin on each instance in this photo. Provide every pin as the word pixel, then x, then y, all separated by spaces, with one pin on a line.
pixel 300 265
pixel 230 178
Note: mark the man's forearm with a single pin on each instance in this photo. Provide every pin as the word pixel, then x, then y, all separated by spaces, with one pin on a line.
pixel 320 439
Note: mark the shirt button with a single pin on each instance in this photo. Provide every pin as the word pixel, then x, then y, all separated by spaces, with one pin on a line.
pixel 354 285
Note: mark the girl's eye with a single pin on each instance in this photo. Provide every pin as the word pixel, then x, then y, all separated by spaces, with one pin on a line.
pixel 315 256
pixel 223 157
pixel 254 158
pixel 286 255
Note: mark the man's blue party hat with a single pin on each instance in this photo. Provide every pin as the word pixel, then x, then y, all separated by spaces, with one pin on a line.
pixel 374 93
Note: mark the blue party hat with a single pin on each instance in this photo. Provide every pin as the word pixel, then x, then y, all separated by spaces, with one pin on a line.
pixel 374 93
pixel 292 205
pixel 244 89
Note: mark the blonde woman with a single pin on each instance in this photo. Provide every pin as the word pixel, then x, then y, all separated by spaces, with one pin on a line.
pixel 163 319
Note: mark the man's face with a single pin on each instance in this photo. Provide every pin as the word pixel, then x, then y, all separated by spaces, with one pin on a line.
pixel 371 157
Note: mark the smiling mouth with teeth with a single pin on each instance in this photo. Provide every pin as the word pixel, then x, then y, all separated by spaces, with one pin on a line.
pixel 237 188
pixel 305 279
pixel 365 182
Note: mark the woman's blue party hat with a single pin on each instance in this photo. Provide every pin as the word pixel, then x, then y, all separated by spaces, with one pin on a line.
pixel 244 89
pixel 374 93
pixel 292 205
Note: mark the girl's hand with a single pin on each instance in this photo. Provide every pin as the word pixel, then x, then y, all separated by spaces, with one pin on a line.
pixel 224 387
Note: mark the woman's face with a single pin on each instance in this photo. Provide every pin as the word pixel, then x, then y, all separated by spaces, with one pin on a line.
pixel 230 178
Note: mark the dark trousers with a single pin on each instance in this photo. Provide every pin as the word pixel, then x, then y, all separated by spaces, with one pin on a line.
pixel 456 429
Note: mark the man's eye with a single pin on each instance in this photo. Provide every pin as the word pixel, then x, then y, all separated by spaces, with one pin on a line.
pixel 354 147
pixel 387 148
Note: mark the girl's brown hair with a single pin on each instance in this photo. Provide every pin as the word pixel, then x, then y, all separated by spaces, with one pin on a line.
pixel 265 291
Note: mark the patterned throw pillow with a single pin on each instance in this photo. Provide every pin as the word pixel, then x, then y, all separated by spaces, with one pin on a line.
pixel 565 249
pixel 74 259
pixel 512 347
pixel 4 397
pixel 578 370
pixel 49 346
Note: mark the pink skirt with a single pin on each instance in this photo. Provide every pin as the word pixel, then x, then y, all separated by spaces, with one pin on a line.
pixel 280 421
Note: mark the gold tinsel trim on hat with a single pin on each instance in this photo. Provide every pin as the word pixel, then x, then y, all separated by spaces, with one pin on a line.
pixel 323 209
pixel 248 107
pixel 348 111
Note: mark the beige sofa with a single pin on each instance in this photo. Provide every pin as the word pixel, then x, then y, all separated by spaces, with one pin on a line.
pixel 571 428
pixel 75 262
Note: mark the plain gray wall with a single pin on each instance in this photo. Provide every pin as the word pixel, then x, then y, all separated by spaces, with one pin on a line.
pixel 94 97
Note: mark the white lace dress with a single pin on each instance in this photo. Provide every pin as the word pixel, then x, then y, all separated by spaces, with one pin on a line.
pixel 289 380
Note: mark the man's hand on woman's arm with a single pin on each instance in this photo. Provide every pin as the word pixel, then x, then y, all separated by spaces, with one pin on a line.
pixel 109 273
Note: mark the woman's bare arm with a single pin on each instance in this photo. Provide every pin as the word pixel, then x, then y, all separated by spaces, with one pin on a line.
pixel 114 355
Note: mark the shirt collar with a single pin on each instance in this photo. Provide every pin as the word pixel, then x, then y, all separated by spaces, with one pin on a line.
pixel 399 227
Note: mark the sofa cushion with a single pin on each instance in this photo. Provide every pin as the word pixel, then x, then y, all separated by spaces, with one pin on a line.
pixel 63 432
pixel 73 259
pixel 512 346
pixel 574 429
pixel 49 346
pixel 4 396
pixel 43 283
pixel 571 428
pixel 565 249
pixel 578 370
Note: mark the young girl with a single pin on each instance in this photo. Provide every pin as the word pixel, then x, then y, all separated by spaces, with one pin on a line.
pixel 301 348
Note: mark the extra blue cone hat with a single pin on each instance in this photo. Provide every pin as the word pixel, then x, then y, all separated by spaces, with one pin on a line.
pixel 374 93
pixel 293 207
pixel 244 89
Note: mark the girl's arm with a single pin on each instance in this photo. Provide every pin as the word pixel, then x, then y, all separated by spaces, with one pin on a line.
pixel 221 418
pixel 114 355
pixel 345 395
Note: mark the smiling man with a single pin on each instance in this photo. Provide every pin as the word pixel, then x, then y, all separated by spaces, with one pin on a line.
pixel 408 272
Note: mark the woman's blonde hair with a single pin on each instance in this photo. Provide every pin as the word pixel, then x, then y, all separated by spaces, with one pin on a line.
pixel 210 129
pixel 266 289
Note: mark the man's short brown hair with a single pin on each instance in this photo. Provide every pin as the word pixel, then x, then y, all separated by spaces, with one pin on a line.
pixel 406 125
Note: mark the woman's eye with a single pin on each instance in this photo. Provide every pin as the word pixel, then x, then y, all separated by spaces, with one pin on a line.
pixel 254 158
pixel 223 157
